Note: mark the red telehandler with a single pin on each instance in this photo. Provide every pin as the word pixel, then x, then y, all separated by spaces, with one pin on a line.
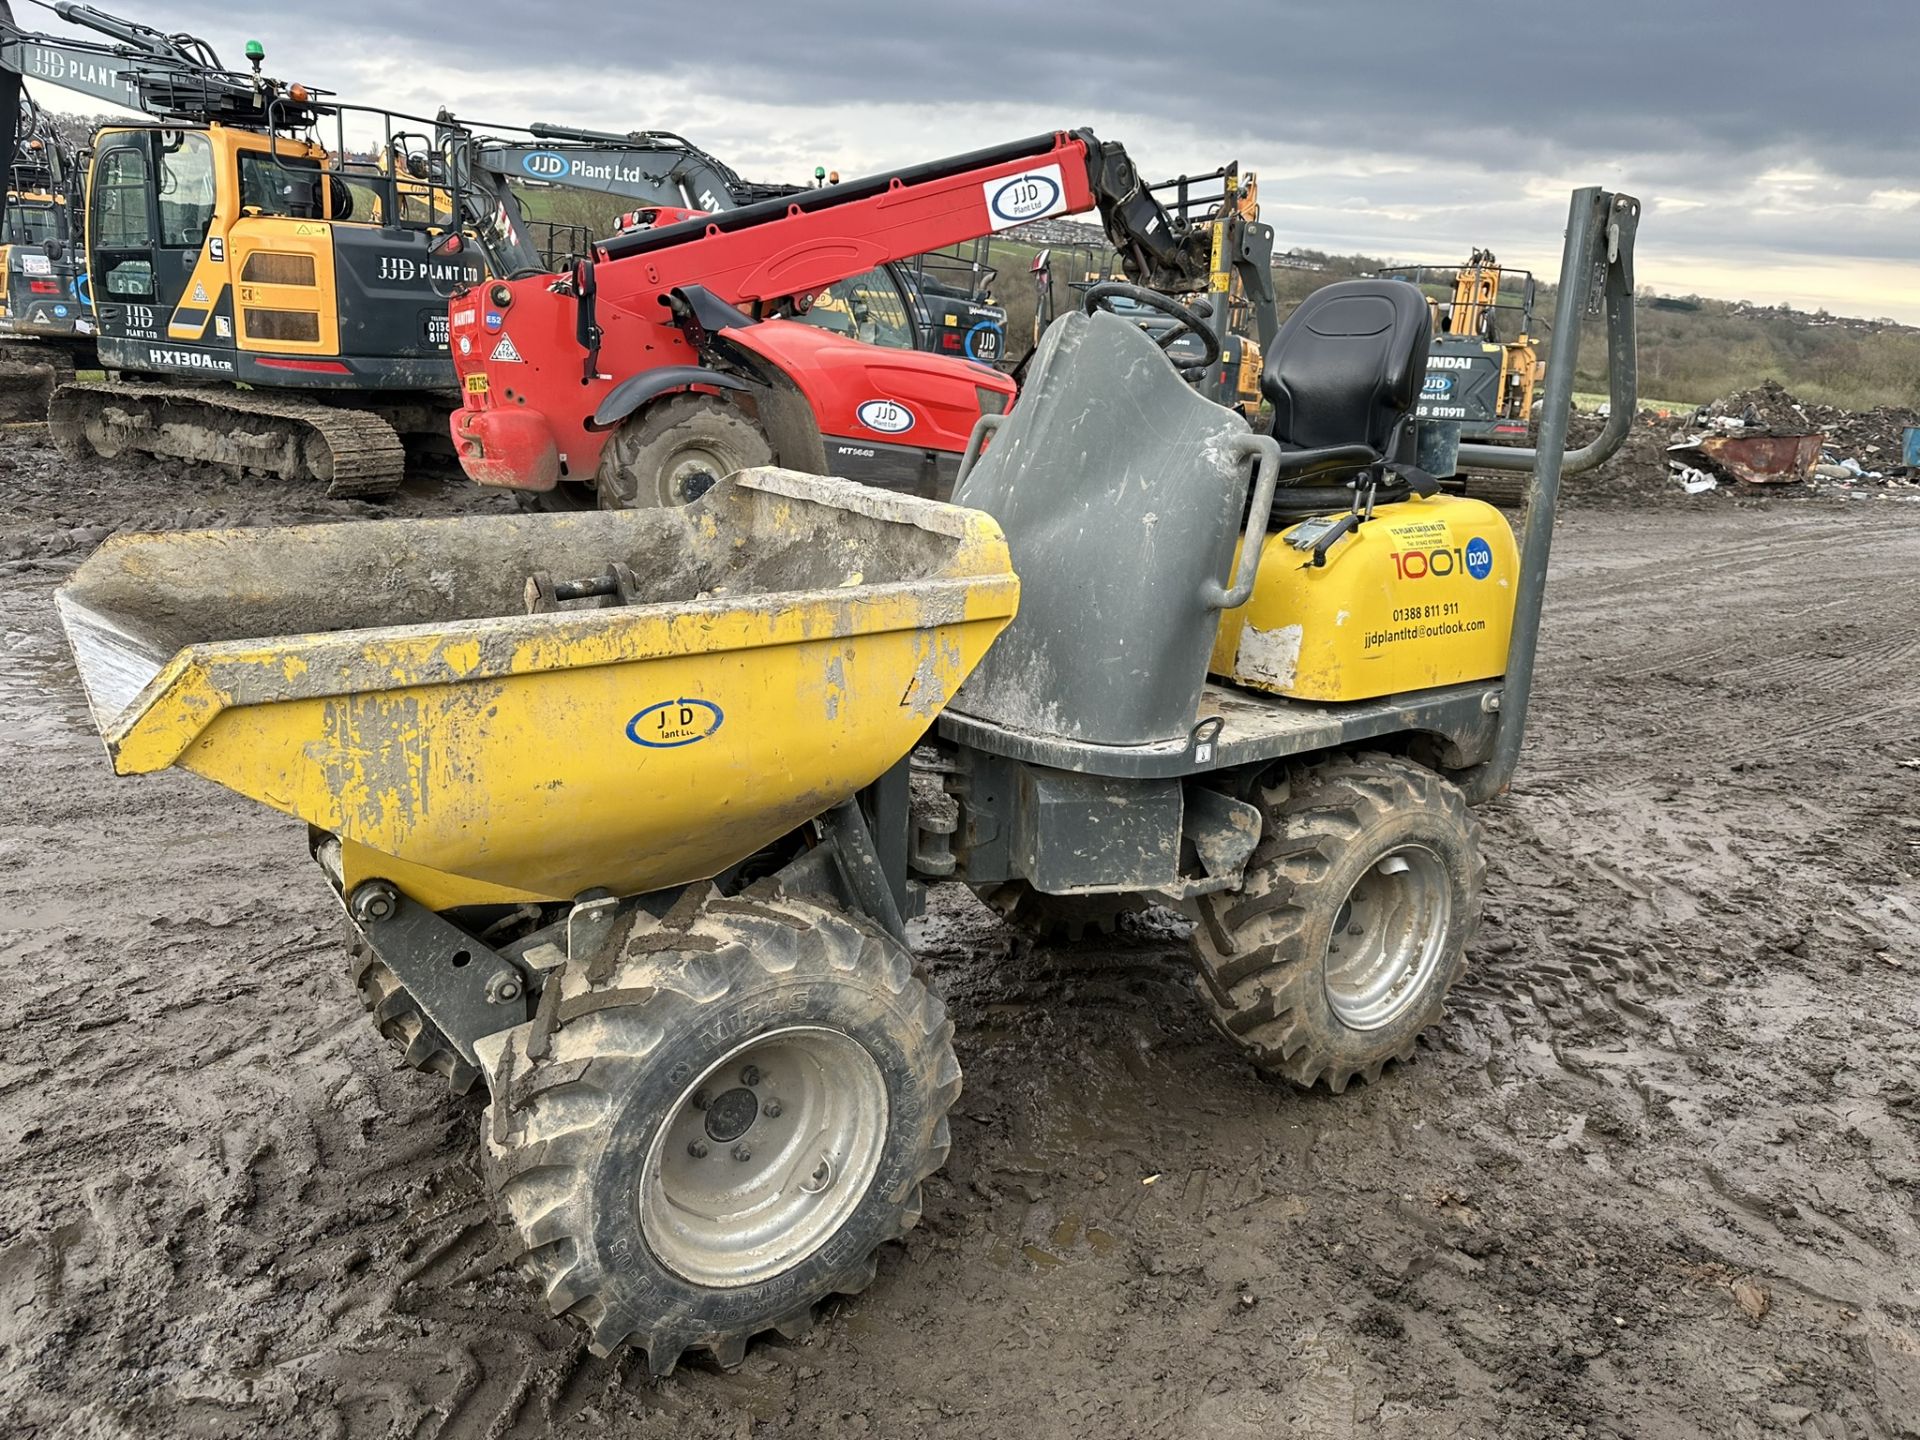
pixel 682 352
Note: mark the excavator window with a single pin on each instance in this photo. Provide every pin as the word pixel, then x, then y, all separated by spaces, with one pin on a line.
pixel 868 307
pixel 29 223
pixel 120 203
pixel 186 191
pixel 287 186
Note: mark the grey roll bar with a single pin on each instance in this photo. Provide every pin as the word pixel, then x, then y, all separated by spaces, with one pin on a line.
pixel 1596 276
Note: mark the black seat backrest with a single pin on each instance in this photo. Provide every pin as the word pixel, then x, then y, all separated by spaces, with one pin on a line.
pixel 1347 367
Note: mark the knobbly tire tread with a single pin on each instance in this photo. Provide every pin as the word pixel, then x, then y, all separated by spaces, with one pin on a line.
pixel 422 1044
pixel 563 1162
pixel 645 442
pixel 1260 949
pixel 1057 919
pixel 1508 492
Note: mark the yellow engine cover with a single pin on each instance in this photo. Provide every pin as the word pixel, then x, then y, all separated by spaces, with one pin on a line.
pixel 1420 595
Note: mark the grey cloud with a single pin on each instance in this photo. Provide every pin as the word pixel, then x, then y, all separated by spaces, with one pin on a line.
pixel 1520 83
pixel 1410 129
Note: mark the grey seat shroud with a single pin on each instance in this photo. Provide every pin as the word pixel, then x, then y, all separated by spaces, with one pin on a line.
pixel 1121 492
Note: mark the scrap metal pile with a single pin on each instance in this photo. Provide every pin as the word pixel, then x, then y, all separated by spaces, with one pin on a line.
pixel 1769 436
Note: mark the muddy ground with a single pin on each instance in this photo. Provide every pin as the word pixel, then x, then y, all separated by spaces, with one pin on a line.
pixel 1654 1177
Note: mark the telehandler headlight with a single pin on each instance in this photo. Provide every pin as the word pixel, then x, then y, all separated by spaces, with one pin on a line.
pixel 992 401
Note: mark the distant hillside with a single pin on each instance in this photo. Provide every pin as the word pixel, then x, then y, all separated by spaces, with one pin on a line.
pixel 1693 349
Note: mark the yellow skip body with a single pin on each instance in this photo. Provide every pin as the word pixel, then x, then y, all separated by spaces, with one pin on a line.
pixel 794 637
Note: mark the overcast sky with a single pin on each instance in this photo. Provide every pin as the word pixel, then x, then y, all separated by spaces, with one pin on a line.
pixel 1776 142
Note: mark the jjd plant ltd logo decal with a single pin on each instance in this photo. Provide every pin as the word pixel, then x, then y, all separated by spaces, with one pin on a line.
pixel 889 417
pixel 1016 199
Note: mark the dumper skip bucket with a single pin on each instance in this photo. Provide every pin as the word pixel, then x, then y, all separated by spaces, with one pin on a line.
pixel 781 644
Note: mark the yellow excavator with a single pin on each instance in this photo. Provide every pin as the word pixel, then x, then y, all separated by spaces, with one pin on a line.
pixel 263 234
pixel 1485 365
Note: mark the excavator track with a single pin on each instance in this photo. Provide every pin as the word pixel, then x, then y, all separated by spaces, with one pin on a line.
pixel 29 374
pixel 352 452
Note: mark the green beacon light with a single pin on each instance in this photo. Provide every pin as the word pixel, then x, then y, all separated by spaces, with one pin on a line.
pixel 256 52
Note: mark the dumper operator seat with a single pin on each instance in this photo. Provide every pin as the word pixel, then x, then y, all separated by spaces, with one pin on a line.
pixel 1343 376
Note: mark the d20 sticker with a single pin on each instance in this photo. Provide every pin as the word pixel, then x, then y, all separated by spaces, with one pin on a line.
pixel 889 417
pixel 670 724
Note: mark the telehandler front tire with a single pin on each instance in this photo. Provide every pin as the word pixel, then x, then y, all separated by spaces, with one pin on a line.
pixel 713 1131
pixel 1352 923
pixel 673 452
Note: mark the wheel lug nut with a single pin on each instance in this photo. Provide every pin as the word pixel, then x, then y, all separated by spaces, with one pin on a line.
pixel 741 1152
pixel 698 1149
pixel 772 1112
pixel 750 1076
pixel 699 1099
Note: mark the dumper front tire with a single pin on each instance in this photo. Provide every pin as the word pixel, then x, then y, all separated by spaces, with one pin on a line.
pixel 1352 923
pixel 673 452
pixel 712 1129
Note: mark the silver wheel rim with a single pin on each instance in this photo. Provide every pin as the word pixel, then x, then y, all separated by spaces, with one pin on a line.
pixel 691 472
pixel 1388 937
pixel 764 1157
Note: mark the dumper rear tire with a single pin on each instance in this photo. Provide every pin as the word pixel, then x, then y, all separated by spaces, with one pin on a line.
pixel 422 1044
pixel 711 1130
pixel 673 452
pixel 1352 923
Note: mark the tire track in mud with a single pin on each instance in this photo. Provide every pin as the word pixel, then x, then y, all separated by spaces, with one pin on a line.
pixel 1713 983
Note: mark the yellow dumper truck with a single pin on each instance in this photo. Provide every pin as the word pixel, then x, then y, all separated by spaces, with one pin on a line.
pixel 628 810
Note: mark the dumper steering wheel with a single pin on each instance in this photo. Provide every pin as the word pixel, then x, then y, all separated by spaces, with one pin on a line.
pixel 1190 321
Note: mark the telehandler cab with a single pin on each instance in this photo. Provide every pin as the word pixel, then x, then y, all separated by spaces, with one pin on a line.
pixel 628 810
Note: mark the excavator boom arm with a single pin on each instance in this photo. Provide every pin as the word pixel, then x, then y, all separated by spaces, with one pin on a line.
pixel 654 167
